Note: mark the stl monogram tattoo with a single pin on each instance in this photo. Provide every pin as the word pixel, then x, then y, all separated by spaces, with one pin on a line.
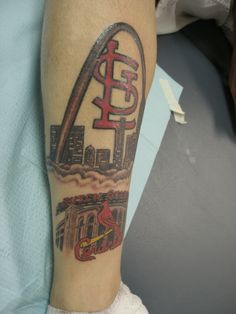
pixel 94 223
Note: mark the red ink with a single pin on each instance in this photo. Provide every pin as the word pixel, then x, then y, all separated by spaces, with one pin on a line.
pixel 84 251
pixel 109 57
pixel 106 219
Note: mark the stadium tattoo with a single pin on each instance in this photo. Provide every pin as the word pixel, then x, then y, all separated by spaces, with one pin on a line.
pixel 94 223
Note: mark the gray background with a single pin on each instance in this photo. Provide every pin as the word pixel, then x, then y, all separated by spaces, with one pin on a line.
pixel 180 252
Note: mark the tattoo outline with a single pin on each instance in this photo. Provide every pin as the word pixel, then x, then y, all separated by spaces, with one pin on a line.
pixel 69 159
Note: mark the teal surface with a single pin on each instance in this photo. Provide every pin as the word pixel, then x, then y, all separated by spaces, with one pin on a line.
pixel 25 223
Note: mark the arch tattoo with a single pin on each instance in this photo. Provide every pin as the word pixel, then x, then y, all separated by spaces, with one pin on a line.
pixel 114 74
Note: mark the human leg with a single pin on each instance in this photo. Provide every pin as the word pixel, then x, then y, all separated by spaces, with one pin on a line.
pixel 98 59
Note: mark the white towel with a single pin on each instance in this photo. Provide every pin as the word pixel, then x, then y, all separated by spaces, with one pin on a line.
pixel 124 303
pixel 172 15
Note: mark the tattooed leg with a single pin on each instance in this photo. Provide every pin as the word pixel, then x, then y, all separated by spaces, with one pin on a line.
pixel 94 91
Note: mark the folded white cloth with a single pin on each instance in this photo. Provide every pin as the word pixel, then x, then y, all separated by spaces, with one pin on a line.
pixel 172 15
pixel 124 303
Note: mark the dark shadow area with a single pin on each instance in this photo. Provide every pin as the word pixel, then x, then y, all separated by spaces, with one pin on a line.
pixel 212 42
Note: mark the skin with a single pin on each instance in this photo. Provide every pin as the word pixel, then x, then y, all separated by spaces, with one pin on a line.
pixel 67 40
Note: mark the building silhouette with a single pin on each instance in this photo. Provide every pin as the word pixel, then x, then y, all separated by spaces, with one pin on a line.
pixel 54 136
pixel 89 156
pixel 74 152
pixel 74 146
pixel 131 142
pixel 119 145
pixel 103 158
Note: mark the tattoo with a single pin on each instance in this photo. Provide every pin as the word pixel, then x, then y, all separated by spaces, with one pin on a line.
pixel 93 223
pixel 96 223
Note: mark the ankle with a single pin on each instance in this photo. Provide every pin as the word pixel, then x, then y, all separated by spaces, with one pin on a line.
pixel 92 297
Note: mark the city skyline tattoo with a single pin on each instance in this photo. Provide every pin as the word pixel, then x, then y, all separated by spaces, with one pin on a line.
pixel 93 159
pixel 97 151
